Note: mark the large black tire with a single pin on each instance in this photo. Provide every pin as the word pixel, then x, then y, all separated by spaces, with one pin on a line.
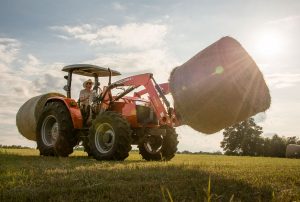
pixel 110 137
pixel 157 148
pixel 55 131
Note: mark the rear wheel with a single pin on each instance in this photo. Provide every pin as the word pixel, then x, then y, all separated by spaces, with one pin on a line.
pixel 159 146
pixel 55 131
pixel 110 137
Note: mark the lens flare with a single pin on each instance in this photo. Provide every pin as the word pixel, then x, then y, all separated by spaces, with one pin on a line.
pixel 269 43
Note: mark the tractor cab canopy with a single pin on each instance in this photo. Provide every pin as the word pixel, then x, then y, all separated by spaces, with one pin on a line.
pixel 90 70
pixel 87 70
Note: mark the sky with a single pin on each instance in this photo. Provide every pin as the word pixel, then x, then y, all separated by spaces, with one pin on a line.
pixel 38 38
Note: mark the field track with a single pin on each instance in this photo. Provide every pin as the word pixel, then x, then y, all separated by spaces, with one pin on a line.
pixel 26 176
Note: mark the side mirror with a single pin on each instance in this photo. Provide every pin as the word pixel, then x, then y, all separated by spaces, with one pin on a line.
pixel 66 77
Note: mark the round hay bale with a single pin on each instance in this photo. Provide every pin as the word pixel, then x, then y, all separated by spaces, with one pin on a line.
pixel 292 151
pixel 218 87
pixel 29 113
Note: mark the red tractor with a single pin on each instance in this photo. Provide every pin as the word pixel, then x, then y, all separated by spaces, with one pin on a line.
pixel 118 121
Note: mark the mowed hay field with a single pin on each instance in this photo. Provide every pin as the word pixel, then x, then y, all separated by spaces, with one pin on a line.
pixel 26 176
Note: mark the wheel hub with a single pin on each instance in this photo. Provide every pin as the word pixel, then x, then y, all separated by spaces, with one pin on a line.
pixel 153 144
pixel 50 131
pixel 107 137
pixel 54 131
pixel 104 138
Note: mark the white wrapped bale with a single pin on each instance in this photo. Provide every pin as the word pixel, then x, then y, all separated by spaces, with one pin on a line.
pixel 292 151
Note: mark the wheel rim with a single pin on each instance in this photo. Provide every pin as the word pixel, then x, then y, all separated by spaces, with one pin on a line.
pixel 105 138
pixel 50 131
pixel 153 144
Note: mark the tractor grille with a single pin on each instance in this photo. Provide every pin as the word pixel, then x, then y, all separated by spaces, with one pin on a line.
pixel 146 115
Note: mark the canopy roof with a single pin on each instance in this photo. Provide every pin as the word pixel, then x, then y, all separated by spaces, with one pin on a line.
pixel 89 70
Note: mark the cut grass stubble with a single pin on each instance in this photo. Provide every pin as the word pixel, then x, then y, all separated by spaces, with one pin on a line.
pixel 25 176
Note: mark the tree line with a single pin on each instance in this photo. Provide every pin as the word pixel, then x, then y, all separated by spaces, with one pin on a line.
pixel 245 139
pixel 13 147
pixel 199 152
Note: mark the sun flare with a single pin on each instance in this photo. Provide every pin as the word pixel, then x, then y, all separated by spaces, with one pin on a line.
pixel 269 43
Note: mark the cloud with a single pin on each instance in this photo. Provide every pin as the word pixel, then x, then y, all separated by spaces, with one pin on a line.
pixel 139 36
pixel 194 141
pixel 118 7
pixel 260 117
pixel 130 48
pixel 63 37
pixel 283 116
pixel 19 81
pixel 15 89
pixel 157 61
pixel 283 80
pixel 9 48
pixel 15 86
pixel 287 19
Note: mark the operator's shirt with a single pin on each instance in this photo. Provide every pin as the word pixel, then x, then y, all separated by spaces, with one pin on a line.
pixel 85 94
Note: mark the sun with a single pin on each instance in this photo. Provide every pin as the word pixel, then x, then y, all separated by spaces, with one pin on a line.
pixel 269 43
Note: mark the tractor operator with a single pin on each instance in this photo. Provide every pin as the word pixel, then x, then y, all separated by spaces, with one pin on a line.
pixel 86 98
pixel 85 95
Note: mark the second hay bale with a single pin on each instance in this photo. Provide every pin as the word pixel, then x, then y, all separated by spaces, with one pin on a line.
pixel 218 87
pixel 29 112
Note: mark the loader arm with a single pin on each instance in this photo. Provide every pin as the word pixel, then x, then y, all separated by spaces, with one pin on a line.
pixel 156 94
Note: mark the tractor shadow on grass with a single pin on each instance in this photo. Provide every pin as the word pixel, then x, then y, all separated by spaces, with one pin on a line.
pixel 84 179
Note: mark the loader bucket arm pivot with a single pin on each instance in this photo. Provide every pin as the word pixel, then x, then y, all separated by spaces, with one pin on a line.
pixel 162 95
pixel 156 94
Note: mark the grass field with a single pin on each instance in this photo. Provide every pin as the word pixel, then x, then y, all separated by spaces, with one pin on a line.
pixel 26 176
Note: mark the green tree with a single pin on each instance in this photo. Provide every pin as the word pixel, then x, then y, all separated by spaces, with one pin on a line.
pixel 278 146
pixel 292 140
pixel 243 138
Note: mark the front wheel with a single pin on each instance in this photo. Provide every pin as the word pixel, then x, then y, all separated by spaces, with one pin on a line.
pixel 159 146
pixel 110 137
